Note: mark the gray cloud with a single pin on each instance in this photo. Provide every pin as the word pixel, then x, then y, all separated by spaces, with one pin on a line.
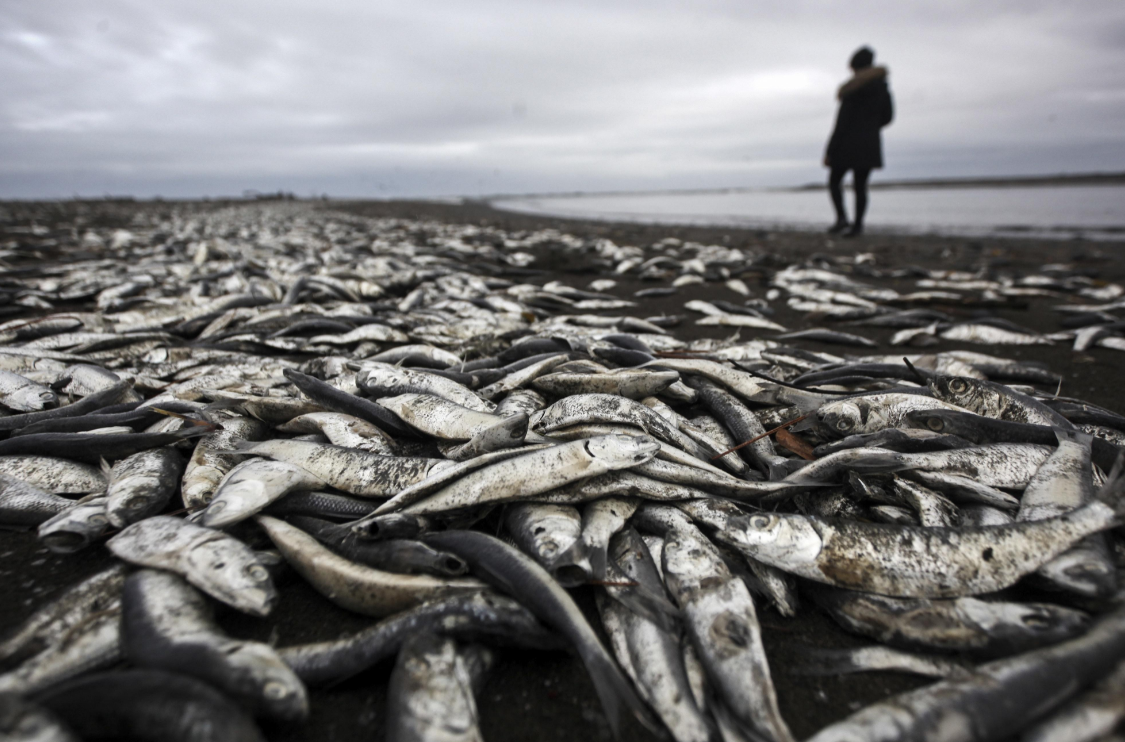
pixel 441 97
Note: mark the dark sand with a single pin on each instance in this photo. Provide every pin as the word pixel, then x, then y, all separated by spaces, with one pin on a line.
pixel 547 696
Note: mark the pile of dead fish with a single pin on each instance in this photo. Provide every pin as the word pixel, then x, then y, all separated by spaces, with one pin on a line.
pixel 241 391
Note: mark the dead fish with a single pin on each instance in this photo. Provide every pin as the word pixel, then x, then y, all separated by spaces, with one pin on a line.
pixel 552 534
pixel 517 574
pixel 251 487
pixel 476 616
pixel 208 464
pixel 168 625
pixel 76 527
pixel 991 628
pixel 24 395
pixel 355 587
pixel 978 707
pixel 916 562
pixel 539 471
pixel 219 565
pixel 432 688
pixel 720 618
pixel 23 504
pixel 52 474
pixel 353 471
pixel 142 485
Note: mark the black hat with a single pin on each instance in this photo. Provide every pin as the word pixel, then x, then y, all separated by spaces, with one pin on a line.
pixel 862 58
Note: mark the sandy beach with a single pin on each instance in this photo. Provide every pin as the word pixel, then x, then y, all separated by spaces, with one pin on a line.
pixel 547 696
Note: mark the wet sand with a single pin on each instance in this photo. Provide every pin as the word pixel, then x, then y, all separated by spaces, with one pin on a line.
pixel 546 696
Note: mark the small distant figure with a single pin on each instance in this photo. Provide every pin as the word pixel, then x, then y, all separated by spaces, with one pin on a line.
pixel 865 108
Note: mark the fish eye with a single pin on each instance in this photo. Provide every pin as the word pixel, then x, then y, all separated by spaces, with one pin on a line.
pixel 760 521
pixel 98 520
pixel 258 573
pixel 275 691
pixel 844 424
pixel 935 424
pixel 134 502
pixel 958 386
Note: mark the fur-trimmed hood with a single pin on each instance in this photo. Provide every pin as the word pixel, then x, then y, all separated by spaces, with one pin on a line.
pixel 861 78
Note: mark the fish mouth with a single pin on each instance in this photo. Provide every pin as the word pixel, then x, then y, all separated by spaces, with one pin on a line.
pixel 64 541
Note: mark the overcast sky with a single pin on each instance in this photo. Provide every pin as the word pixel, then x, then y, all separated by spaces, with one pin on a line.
pixel 459 98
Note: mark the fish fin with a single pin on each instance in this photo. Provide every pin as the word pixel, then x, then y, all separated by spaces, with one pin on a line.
pixel 730 728
pixel 105 467
pixel 821 662
pixel 652 607
pixel 777 471
pixel 1112 493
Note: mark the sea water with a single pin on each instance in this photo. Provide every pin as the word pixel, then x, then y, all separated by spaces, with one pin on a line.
pixel 1063 212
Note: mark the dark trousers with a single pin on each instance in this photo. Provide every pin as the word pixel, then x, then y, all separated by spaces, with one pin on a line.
pixel 836 189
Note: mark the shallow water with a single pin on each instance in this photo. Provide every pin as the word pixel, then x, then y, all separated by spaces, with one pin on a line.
pixel 1063 212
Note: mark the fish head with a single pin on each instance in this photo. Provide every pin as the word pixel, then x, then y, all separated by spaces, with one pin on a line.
pixel 130 508
pixel 779 539
pixel 378 375
pixel 844 417
pixel 932 420
pixel 620 451
pixel 30 399
pixel 229 571
pixel 234 501
pixel 261 675
pixel 75 528
pixel 1017 627
pixel 965 392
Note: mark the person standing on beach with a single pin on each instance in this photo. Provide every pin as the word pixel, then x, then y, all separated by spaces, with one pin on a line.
pixel 865 108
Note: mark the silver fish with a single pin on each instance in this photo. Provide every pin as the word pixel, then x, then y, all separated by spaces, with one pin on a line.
pixel 219 565
pixel 142 485
pixel 990 628
pixel 552 534
pixel 24 395
pixel 353 471
pixel 978 707
pixel 1062 484
pixel 538 472
pixel 22 504
pixel 251 486
pixel 432 687
pixel 915 562
pixel 168 625
pixel 356 587
pixel 720 618
pixel 77 527
pixel 61 476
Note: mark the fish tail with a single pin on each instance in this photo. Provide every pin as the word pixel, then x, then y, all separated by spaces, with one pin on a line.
pixel 614 691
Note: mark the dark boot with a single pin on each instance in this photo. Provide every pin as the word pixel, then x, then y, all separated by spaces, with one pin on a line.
pixel 838 227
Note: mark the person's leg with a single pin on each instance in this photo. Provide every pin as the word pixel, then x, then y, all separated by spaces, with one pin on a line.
pixel 836 190
pixel 859 182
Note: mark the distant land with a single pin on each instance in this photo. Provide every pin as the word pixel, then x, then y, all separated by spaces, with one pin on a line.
pixel 993 181
pixel 1013 181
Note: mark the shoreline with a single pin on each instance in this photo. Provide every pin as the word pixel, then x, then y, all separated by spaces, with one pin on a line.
pixel 1100 257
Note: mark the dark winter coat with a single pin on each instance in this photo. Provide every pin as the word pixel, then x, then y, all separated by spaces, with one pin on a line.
pixel 865 108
